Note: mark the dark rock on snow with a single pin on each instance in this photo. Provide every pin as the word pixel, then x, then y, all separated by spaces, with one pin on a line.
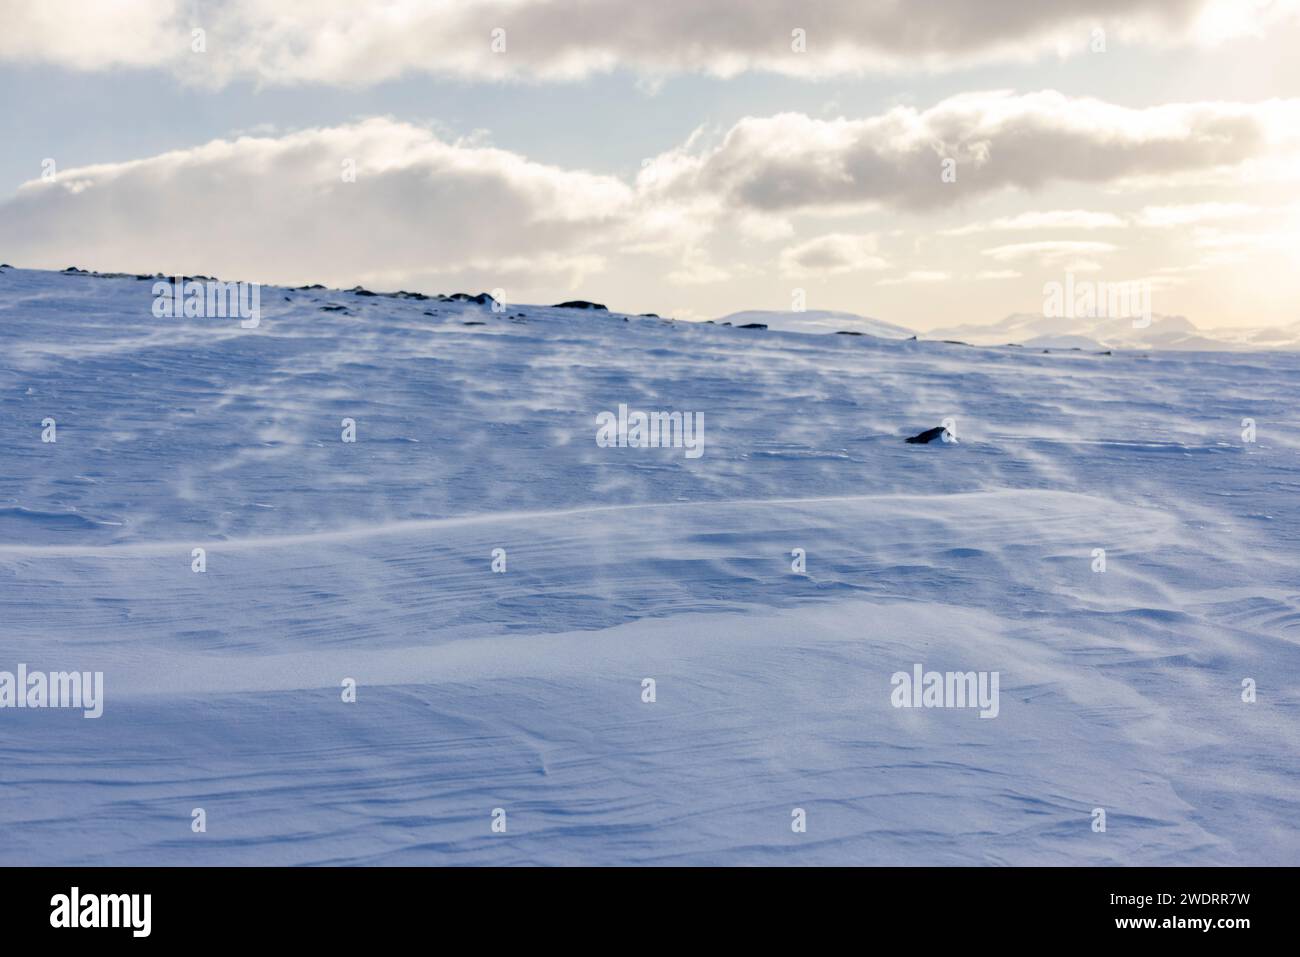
pixel 579 304
pixel 926 437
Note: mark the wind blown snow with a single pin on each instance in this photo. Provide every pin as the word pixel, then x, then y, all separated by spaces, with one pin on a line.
pixel 522 690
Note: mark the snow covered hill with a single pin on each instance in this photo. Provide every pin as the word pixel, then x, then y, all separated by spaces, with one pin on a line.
pixel 519 697
pixel 818 321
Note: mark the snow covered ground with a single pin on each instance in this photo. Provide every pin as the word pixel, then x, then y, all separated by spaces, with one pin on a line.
pixel 522 690
pixel 818 320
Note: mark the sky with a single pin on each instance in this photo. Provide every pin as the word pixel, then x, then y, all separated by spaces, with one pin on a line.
pixel 927 163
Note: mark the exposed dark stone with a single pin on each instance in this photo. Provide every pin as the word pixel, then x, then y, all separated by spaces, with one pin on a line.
pixel 753 325
pixel 579 304
pixel 335 307
pixel 846 332
pixel 314 285
pixel 926 437
pixel 358 291
pixel 102 275
pixel 473 322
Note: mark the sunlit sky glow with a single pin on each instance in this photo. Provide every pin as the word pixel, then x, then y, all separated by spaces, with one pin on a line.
pixel 675 157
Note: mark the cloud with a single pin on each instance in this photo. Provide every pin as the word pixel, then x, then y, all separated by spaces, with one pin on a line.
pixel 444 211
pixel 93 36
pixel 998 140
pixel 916 276
pixel 831 255
pixel 340 42
pixel 1167 216
pixel 1237 246
pixel 1049 252
pixel 279 209
pixel 697 270
pixel 1042 220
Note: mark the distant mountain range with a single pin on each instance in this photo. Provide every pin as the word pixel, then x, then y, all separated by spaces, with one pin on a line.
pixel 1164 332
pixel 1037 330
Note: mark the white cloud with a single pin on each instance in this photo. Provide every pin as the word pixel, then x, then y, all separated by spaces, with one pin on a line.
pixel 1042 220
pixel 831 255
pixel 1049 251
pixel 342 42
pixel 999 140
pixel 916 276
pixel 441 212
pixel 1167 216
pixel 93 36
pixel 697 270
pixel 1082 265
pixel 278 209
pixel 1274 240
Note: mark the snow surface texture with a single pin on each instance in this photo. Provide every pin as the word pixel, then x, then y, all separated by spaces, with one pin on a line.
pixel 523 690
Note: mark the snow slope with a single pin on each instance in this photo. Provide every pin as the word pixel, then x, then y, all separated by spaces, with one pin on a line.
pixel 522 690
pixel 819 321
